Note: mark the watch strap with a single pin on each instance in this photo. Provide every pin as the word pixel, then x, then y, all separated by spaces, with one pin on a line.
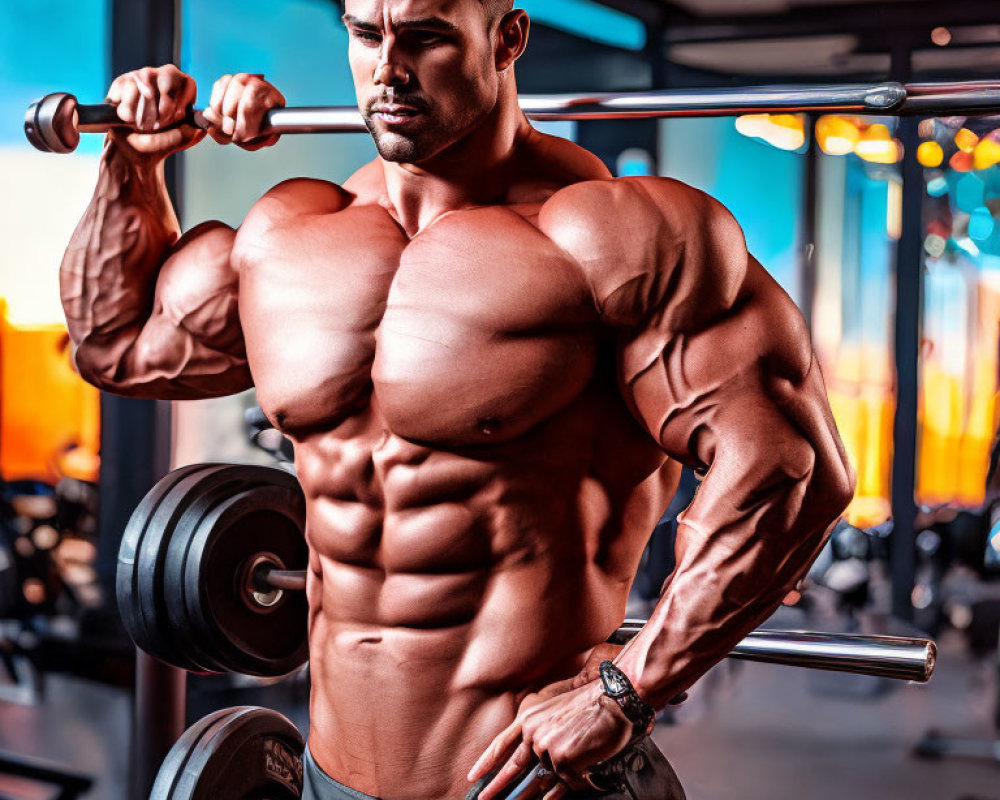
pixel 619 688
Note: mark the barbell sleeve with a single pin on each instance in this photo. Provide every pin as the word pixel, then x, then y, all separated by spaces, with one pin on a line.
pixel 885 656
pixel 54 123
pixel 292 580
pixel 907 659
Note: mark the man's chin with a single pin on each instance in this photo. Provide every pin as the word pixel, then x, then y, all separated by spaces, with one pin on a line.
pixel 400 149
pixel 396 149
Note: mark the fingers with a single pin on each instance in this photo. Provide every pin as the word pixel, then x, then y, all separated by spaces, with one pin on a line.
pixel 127 94
pixel 152 100
pixel 149 99
pixel 499 749
pixel 558 791
pixel 237 110
pixel 518 763
pixel 177 91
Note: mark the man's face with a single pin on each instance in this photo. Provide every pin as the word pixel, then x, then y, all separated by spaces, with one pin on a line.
pixel 424 72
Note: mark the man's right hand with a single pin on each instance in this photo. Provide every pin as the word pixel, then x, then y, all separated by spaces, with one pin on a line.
pixel 149 100
pixel 154 98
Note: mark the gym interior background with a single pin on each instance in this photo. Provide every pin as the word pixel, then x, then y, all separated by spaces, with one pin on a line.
pixel 882 229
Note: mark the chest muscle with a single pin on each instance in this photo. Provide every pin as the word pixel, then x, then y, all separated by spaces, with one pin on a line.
pixel 476 330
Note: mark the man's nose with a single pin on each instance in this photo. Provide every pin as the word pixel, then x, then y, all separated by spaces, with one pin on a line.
pixel 390 71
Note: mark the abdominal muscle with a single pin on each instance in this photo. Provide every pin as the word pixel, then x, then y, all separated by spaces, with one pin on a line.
pixel 445 586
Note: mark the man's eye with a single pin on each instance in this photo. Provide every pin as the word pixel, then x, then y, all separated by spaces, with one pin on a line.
pixel 428 38
pixel 367 36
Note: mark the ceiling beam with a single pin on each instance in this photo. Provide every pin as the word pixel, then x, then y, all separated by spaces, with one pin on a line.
pixel 651 12
pixel 914 18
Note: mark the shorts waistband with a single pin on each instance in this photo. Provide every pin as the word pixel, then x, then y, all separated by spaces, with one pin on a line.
pixel 320 786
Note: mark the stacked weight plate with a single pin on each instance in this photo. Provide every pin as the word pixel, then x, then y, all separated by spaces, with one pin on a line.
pixel 182 570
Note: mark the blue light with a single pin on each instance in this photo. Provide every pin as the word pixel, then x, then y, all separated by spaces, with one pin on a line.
pixel 590 20
pixel 981 224
pixel 937 187
pixel 969 193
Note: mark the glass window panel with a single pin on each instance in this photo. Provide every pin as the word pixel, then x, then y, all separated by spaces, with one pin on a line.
pixel 761 184
pixel 45 46
pixel 301 47
pixel 857 209
pixel 961 308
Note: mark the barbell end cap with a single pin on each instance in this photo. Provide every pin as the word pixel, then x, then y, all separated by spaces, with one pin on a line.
pixel 50 123
pixel 930 661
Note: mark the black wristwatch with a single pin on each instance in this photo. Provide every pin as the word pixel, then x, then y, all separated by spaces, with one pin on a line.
pixel 619 688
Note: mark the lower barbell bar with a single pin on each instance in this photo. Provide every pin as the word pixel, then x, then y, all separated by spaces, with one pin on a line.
pixel 54 123
pixel 896 657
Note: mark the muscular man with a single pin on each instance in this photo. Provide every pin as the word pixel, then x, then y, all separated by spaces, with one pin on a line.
pixel 491 357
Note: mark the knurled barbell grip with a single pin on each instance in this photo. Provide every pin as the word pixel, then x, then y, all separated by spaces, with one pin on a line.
pixel 54 123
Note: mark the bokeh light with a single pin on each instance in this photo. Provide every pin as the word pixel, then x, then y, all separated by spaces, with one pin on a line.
pixel 970 193
pixel 836 136
pixel 877 145
pixel 981 224
pixel 966 140
pixel 930 154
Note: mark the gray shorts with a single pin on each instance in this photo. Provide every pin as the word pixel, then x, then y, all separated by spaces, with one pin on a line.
pixel 648 776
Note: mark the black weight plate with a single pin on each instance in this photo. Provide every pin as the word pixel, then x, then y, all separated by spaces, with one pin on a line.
pixel 233 479
pixel 189 498
pixel 140 559
pixel 271 642
pixel 243 753
pixel 152 588
pixel 260 511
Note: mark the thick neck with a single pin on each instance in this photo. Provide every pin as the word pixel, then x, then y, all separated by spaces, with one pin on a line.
pixel 473 171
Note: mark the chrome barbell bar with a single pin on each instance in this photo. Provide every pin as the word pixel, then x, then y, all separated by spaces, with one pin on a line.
pixel 54 123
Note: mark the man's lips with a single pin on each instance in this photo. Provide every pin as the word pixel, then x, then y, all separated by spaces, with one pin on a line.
pixel 394 113
pixel 395 109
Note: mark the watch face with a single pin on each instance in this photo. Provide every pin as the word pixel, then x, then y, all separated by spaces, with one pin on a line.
pixel 614 682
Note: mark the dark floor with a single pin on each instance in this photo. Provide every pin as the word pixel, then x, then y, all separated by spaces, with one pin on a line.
pixel 749 732
pixel 756 731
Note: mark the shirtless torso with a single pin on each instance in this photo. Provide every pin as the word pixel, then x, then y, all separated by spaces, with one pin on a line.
pixel 479 494
pixel 483 401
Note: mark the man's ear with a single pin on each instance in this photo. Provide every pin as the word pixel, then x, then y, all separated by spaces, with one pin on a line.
pixel 512 38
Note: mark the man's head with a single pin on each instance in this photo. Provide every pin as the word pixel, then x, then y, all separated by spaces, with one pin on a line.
pixel 428 72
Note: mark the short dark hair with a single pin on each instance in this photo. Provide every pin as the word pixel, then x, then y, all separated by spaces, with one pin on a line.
pixel 495 9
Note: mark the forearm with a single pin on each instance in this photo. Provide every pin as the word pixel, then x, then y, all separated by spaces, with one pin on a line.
pixel 749 535
pixel 108 275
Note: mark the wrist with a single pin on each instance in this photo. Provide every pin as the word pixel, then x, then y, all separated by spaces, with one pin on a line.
pixel 618 688
pixel 119 153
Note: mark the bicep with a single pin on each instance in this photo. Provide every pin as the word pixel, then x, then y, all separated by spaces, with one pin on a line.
pixel 192 343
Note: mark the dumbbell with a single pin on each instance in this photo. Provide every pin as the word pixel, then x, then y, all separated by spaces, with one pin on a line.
pixel 211 574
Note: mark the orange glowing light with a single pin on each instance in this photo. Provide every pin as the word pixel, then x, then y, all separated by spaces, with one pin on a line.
pixel 784 131
pixel 966 140
pixel 941 36
pixel 836 136
pixel 930 154
pixel 962 161
pixel 986 154
pixel 877 146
